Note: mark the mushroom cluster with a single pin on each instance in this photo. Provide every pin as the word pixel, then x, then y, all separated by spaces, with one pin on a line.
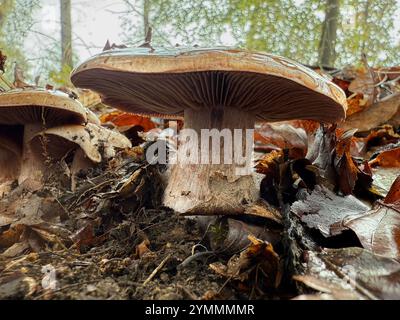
pixel 40 126
pixel 219 88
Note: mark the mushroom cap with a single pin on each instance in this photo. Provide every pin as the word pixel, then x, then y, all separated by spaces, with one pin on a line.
pixel 33 105
pixel 58 141
pixel 161 81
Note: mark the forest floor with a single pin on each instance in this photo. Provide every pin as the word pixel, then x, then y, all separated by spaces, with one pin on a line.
pixel 110 239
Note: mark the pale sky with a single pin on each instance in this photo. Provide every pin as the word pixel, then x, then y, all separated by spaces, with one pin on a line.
pixel 93 24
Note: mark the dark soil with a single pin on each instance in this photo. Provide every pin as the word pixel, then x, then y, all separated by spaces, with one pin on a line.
pixel 116 240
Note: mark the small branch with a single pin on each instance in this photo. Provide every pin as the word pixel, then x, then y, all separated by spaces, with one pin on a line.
pixel 157 270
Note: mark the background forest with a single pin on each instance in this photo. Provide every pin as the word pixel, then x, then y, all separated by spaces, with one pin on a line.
pixel 324 33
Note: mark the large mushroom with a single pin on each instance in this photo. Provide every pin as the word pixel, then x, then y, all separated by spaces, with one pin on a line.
pixel 37 109
pixel 218 88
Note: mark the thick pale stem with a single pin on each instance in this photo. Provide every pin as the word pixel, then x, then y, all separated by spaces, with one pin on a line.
pixel 32 169
pixel 205 187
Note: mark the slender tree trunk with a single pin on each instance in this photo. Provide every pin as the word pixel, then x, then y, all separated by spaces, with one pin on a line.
pixel 66 33
pixel 146 19
pixel 365 27
pixel 327 43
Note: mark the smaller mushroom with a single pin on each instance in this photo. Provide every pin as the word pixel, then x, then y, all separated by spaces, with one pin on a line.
pixel 34 110
pixel 91 143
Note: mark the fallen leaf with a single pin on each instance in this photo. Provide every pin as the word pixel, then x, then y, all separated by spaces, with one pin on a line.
pixel 379 229
pixel 356 103
pixel 258 265
pixel 346 169
pixel 142 249
pixel 387 159
pixel 269 163
pixel 283 136
pixel 320 152
pixel 230 236
pixel 85 237
pixel 322 209
pixel 352 272
pixel 383 179
pixel 122 119
pixel 373 116
pixel 364 83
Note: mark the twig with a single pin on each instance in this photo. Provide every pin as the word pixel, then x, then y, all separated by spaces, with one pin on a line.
pixel 194 257
pixel 157 270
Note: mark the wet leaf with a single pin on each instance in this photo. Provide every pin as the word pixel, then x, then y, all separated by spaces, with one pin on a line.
pixel 322 209
pixel 354 272
pixel 379 229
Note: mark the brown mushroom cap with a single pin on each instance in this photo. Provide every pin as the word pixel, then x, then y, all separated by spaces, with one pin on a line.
pixel 163 81
pixel 58 141
pixel 33 105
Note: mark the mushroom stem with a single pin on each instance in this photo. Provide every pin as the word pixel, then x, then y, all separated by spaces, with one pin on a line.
pixel 31 168
pixel 209 189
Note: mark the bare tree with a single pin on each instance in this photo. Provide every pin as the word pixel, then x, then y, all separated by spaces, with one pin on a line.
pixel 327 43
pixel 66 33
pixel 146 16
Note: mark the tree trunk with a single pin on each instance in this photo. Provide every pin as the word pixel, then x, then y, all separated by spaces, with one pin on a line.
pixel 146 19
pixel 327 43
pixel 66 33
pixel 365 27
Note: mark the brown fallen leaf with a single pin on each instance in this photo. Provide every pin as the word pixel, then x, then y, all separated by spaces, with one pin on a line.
pixel 124 120
pixel 364 83
pixel 268 164
pixel 323 210
pixel 387 159
pixel 142 249
pixel 258 265
pixel 230 236
pixel 373 116
pixel 346 169
pixel 356 103
pixel 85 237
pixel 379 229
